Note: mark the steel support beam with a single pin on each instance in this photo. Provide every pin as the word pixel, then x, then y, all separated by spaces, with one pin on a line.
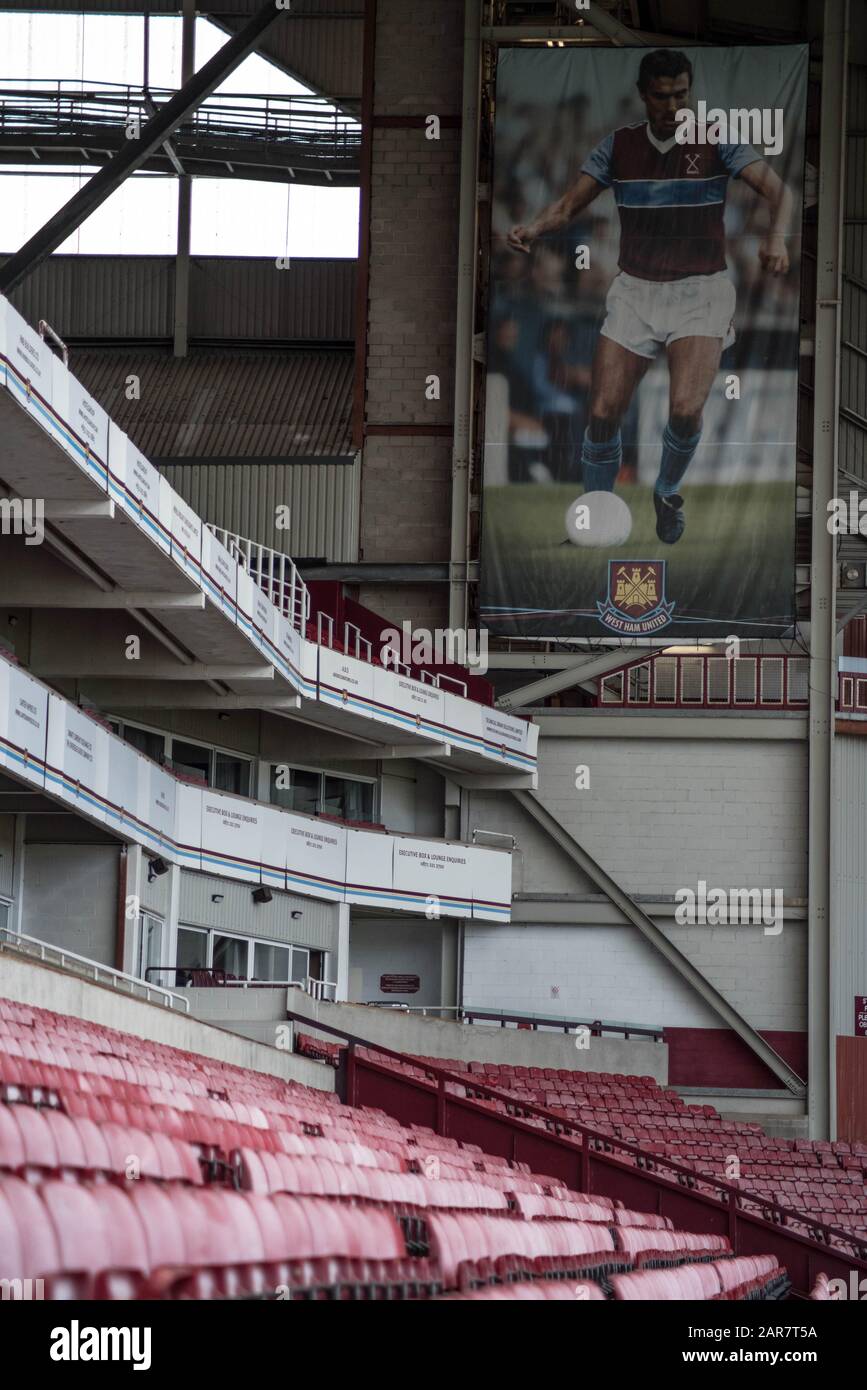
pixel 657 938
pixel 157 130
pixel 185 196
pixel 605 23
pixel 585 668
pixel 823 644
pixel 465 317
pixel 120 695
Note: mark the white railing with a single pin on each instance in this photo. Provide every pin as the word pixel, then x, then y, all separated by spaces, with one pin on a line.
pixel 362 649
pixel 316 989
pixel 51 954
pixel 275 574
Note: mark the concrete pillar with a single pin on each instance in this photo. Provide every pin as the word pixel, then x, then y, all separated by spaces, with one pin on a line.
pixel 342 963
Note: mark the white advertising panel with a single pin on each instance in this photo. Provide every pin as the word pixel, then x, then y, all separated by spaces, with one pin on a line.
pixel 89 423
pixel 188 825
pixel 139 487
pixel 128 788
pixel 464 721
pixel 77 758
pixel 275 833
pixel 219 573
pixel 185 530
pixel 369 868
pixel 159 815
pixel 345 682
pixel 424 704
pixel 492 883
pixel 231 836
pixel 503 730
pixel 316 857
pixel 4 305
pixel 23 724
pixel 309 668
pixel 289 648
pixel 30 359
pixel 433 877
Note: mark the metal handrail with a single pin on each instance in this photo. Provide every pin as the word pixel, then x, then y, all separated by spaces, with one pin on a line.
pixel 11 938
pixel 467 1014
pixel 606 1146
pixel 60 110
pixel 597 1026
pixel 616 690
pixel 274 573
pixel 316 989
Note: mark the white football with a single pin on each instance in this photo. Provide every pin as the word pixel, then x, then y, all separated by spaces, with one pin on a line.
pixel 598 519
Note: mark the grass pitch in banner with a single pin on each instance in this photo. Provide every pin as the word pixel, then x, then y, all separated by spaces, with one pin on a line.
pixel 641 395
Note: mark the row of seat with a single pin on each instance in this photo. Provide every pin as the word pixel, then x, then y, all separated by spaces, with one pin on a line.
pixel 129 1169
pixel 826 1179
pixel 699 1282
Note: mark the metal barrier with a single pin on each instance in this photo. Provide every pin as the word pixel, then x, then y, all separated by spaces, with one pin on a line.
pixel 708 682
pixel 589 1160
pixel 274 572
pixel 597 1028
pixel 51 954
pixel 209 977
pixel 852 692
pixel 309 131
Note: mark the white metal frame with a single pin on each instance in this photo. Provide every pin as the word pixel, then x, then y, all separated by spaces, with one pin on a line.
pixel 322 773
pixel 102 974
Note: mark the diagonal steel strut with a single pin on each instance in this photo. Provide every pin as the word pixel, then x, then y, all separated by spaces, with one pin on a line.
pixel 657 938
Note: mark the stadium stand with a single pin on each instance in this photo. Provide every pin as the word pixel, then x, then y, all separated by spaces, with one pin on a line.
pixel 828 1179
pixel 131 1169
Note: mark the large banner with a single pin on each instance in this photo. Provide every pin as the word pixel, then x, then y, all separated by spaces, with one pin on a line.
pixel 641 395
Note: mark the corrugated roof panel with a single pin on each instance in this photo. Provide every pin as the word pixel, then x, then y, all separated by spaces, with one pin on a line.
pixel 230 297
pixel 222 404
pixel 243 497
pixel 101 296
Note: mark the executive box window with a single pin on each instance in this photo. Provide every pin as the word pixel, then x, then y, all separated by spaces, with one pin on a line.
pixel 225 771
pixel 230 953
pixel 281 963
pixel 193 948
pixel 245 958
pixel 322 793
pixel 150 946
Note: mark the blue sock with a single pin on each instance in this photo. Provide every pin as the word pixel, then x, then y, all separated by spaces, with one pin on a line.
pixel 676 456
pixel 600 463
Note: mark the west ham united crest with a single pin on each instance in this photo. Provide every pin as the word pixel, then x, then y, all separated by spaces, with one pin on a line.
pixel 636 597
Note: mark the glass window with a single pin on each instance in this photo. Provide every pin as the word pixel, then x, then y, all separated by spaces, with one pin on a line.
pixel 5 914
pixel 231 774
pixel 150 946
pixel 271 962
pixel 192 948
pixel 152 745
pixel 230 954
pixel 300 966
pixel 294 789
pixel 348 799
pixel 190 757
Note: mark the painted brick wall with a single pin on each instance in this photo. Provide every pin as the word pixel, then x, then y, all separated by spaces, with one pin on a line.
pixel 662 814
pixel 70 897
pixel 378 947
pixel 406 479
pixel 612 973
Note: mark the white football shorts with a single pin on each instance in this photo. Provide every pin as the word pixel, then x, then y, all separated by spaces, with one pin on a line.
pixel 644 315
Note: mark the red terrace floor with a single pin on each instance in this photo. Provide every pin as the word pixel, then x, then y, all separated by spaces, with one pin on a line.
pixel 248 1186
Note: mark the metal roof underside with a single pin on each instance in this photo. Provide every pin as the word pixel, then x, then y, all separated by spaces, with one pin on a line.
pixel 218 403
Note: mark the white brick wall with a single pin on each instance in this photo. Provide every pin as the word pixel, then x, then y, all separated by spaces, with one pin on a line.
pixel 662 814
pixel 613 973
